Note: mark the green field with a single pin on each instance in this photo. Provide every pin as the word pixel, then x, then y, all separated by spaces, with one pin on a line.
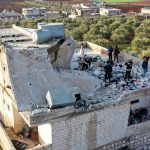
pixel 119 1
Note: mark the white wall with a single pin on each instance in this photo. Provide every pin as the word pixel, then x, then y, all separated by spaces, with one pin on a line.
pixel 5 142
pixel 9 113
pixel 145 11
pixel 5 101
pixel 45 134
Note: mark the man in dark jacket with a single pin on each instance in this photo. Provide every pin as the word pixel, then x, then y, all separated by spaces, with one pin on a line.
pixel 110 51
pixel 116 53
pixel 108 71
pixel 128 69
pixel 145 66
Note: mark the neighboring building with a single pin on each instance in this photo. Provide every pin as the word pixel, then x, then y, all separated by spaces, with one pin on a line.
pixel 145 10
pixel 85 10
pixel 109 11
pixel 43 89
pixel 95 7
pixel 52 14
pixel 84 13
pixel 33 13
pixel 9 15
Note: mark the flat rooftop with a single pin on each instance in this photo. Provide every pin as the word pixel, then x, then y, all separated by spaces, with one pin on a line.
pixel 32 75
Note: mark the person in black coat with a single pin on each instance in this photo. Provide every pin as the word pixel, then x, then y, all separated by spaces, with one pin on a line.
pixel 108 71
pixel 128 69
pixel 116 53
pixel 145 66
pixel 110 51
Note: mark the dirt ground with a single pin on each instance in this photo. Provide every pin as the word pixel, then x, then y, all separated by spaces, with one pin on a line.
pixel 30 143
pixel 9 4
pixel 125 7
pixel 144 3
pixel 133 6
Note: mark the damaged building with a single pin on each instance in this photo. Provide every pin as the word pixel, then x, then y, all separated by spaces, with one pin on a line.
pixel 46 99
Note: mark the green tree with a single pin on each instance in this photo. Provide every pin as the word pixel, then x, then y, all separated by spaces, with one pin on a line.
pixel 114 26
pixel 139 44
pixel 120 36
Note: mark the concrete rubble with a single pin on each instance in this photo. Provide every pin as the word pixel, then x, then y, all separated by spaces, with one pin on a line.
pixel 55 92
pixel 97 93
pixel 105 93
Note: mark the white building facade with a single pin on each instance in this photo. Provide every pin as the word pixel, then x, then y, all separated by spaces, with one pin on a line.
pixel 34 13
pixel 145 10
pixel 109 11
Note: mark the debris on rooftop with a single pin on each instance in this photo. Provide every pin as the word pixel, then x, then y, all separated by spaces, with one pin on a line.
pixel 47 70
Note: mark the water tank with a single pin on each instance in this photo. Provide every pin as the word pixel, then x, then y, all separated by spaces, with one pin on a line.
pixel 41 36
pixel 55 29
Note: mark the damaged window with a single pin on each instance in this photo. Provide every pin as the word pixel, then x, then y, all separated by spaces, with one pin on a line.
pixel 139 112
pixel 77 97
pixel 134 102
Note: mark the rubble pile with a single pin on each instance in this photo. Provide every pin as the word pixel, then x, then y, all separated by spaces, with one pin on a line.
pixel 110 92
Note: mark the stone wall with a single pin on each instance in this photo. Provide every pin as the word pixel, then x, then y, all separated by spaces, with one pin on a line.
pixel 98 48
pixel 90 130
pixel 93 47
pixel 134 142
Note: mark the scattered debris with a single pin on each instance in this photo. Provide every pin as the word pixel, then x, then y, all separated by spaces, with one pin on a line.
pixel 21 139
pixel 19 145
pixel 26 132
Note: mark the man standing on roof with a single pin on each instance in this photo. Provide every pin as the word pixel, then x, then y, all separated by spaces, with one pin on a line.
pixel 128 69
pixel 145 65
pixel 108 71
pixel 116 53
pixel 81 52
pixel 110 51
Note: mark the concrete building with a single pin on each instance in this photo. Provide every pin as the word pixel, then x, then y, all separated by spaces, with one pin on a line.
pixel 85 10
pixel 33 13
pixel 145 10
pixel 109 11
pixel 9 15
pixel 17 111
pixel 93 6
pixel 84 13
pixel 70 109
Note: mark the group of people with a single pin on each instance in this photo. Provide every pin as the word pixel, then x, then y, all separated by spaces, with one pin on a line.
pixel 85 61
pixel 113 54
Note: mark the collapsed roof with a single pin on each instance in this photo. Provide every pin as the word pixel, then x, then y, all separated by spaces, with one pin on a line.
pixel 40 76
